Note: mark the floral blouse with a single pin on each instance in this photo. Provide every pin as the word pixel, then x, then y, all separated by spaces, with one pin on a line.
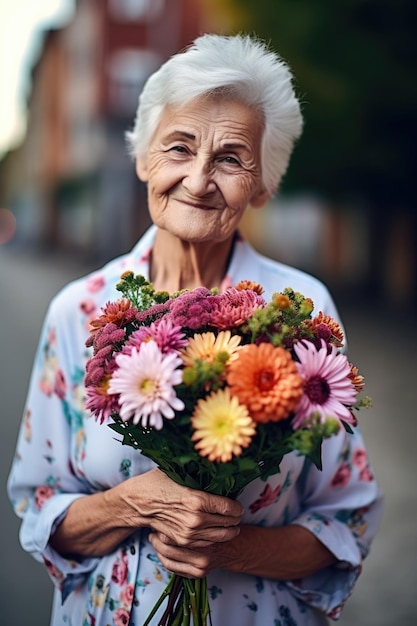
pixel 63 454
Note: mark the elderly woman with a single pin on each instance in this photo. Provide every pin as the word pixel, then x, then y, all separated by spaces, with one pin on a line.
pixel 213 135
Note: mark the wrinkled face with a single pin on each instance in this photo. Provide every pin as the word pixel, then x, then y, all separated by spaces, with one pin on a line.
pixel 203 168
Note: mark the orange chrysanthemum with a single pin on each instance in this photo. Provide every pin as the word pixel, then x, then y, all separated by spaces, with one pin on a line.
pixel 249 284
pixel 332 325
pixel 119 312
pixel 281 301
pixel 356 378
pixel 265 379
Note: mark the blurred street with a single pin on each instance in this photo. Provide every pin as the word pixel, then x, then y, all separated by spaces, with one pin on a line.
pixel 383 345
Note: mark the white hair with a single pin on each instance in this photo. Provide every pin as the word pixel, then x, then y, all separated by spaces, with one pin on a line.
pixel 238 65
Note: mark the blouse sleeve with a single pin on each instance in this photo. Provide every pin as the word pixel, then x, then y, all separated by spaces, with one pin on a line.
pixel 45 477
pixel 342 507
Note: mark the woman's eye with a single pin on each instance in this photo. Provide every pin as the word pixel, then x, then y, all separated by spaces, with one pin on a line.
pixel 230 159
pixel 180 149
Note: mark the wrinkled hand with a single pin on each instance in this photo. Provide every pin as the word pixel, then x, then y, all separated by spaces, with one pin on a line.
pixel 183 517
pixel 188 562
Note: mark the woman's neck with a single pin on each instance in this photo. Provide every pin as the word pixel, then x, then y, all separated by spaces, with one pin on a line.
pixel 177 264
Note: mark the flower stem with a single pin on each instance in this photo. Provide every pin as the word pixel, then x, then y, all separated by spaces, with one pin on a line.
pixel 187 603
pixel 175 592
pixel 167 592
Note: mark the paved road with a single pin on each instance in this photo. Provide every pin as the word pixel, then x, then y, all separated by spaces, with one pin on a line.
pixel 382 343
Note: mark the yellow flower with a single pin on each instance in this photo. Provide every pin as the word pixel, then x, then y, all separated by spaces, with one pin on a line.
pixel 222 426
pixel 207 346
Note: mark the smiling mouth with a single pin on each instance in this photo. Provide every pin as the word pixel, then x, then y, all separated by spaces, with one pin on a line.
pixel 199 205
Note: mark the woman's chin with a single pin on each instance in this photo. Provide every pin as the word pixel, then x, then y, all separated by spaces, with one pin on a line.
pixel 195 234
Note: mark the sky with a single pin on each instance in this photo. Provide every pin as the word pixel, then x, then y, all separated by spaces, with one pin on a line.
pixel 21 26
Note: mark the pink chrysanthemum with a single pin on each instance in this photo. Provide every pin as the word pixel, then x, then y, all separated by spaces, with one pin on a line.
pixel 145 380
pixel 154 313
pixel 99 402
pixel 101 364
pixel 167 336
pixel 109 335
pixel 233 307
pixel 98 373
pixel 192 308
pixel 328 388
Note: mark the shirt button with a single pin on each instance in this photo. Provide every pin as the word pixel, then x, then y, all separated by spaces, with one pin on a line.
pixel 132 549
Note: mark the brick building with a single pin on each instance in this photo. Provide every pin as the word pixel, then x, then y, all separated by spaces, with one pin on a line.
pixel 71 183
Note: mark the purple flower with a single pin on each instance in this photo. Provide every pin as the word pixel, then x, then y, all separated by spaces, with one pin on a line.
pixel 168 337
pixel 108 335
pixel 155 312
pixel 99 365
pixel 192 309
pixel 328 389
pixel 99 402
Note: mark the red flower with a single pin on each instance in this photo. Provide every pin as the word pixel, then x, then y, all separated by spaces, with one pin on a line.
pixel 42 494
pixel 366 474
pixel 127 594
pixel 360 458
pixel 120 571
pixel 342 476
pixel 60 386
pixel 267 497
pixel 95 283
pixel 121 617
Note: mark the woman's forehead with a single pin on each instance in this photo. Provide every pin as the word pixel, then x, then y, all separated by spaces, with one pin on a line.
pixel 220 117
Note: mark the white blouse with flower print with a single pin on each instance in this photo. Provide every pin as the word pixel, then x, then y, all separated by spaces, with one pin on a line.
pixel 63 454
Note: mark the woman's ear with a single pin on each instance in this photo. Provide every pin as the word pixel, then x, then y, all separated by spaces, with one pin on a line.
pixel 260 199
pixel 142 168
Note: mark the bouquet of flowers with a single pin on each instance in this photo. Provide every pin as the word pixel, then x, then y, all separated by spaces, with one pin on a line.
pixel 216 388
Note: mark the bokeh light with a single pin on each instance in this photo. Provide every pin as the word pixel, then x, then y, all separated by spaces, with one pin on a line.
pixel 7 226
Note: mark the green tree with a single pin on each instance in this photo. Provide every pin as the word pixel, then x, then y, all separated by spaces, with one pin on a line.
pixel 354 63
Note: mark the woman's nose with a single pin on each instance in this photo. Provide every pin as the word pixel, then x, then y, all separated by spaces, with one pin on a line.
pixel 198 180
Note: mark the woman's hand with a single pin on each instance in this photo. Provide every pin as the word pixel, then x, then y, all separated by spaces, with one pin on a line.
pixel 190 562
pixel 187 517
pixel 96 524
pixel 192 531
pixel 280 553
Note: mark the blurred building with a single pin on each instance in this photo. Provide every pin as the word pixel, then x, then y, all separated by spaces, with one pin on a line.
pixel 71 183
